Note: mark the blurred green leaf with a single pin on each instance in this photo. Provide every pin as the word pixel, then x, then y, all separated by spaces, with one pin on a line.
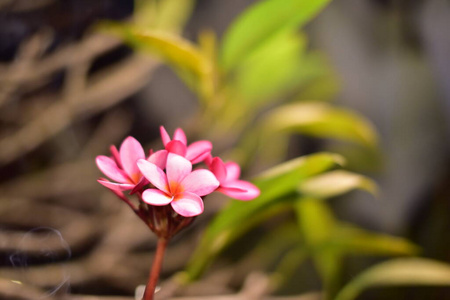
pixel 405 271
pixel 261 22
pixel 272 68
pixel 361 242
pixel 317 225
pixel 284 178
pixel 328 240
pixel 335 183
pixel 318 80
pixel 165 15
pixel 277 187
pixel 189 62
pixel 322 120
pixel 316 220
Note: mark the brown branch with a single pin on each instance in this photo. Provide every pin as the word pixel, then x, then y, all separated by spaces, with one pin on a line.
pixel 105 91
pixel 86 50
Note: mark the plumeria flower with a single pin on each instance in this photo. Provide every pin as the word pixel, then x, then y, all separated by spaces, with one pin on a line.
pixel 230 185
pixel 122 167
pixel 195 152
pixel 179 186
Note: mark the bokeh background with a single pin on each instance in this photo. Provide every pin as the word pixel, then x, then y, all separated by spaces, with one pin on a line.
pixel 67 92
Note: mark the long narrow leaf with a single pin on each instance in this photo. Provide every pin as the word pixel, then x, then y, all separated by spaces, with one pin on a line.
pixel 321 120
pixel 402 272
pixel 182 55
pixel 357 241
pixel 260 22
pixel 335 183
pixel 277 187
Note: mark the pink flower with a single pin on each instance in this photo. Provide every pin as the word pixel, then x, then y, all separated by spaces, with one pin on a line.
pixel 230 185
pixel 195 152
pixel 122 167
pixel 179 186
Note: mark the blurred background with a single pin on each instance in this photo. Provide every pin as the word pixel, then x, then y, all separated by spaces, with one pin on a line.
pixel 69 91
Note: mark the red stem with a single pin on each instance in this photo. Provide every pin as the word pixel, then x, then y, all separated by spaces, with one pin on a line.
pixel 156 269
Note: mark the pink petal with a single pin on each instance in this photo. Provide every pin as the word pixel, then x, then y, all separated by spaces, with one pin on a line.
pixel 176 147
pixel 187 204
pixel 159 158
pixel 241 190
pixel 233 171
pixel 130 151
pixel 218 168
pixel 180 136
pixel 154 174
pixel 177 169
pixel 116 155
pixel 198 151
pixel 110 169
pixel 164 135
pixel 208 160
pixel 116 186
pixel 156 197
pixel 201 182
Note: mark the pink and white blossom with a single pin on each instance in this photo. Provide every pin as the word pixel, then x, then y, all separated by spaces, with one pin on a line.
pixel 195 152
pixel 179 186
pixel 122 167
pixel 228 176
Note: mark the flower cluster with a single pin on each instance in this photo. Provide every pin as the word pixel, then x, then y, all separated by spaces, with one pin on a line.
pixel 171 182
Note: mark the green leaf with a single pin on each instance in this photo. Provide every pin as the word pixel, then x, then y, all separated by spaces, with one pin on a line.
pixel 356 241
pixel 318 80
pixel 271 69
pixel 173 14
pixel 403 272
pixel 191 64
pixel 316 221
pixel 277 186
pixel 165 15
pixel 328 240
pixel 317 225
pixel 335 183
pixel 321 120
pixel 261 22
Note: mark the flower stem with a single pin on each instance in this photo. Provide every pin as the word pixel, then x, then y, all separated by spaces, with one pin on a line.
pixel 156 268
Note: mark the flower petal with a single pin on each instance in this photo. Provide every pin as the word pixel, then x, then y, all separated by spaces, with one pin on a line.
pixel 154 174
pixel 116 155
pixel 159 158
pixel 156 197
pixel 198 151
pixel 187 204
pixel 130 151
pixel 219 170
pixel 180 136
pixel 164 135
pixel 201 182
pixel 233 171
pixel 239 189
pixel 177 169
pixel 176 147
pixel 116 186
pixel 110 169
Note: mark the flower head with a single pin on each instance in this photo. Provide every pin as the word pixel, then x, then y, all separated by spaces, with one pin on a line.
pixel 228 176
pixel 121 167
pixel 195 152
pixel 179 186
